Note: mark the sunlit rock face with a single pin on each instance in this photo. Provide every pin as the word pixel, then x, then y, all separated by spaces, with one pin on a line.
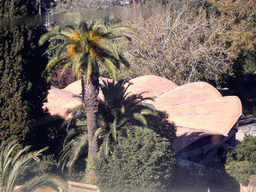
pixel 194 107
pixel 60 101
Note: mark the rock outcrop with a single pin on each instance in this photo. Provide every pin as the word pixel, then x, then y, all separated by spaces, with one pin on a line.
pixel 194 108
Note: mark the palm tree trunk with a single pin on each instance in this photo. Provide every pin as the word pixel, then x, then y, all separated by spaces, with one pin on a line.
pixel 91 92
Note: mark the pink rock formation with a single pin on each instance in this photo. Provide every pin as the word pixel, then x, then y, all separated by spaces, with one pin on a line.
pixel 60 101
pixel 76 87
pixel 195 108
pixel 152 85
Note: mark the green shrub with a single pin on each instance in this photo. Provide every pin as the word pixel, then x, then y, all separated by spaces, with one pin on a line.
pixel 141 162
pixel 241 162
pixel 241 171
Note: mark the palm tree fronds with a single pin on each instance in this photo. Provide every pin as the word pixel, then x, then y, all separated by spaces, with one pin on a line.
pixel 44 180
pixel 97 132
pixel 124 61
pixel 46 37
pixel 99 25
pixel 65 67
pixel 77 64
pixel 58 37
pixel 111 36
pixel 71 151
pixel 147 112
pixel 55 61
pixel 113 129
pixel 117 27
pixel 12 167
pixel 110 68
pixel 88 70
pixel 104 145
pixel 109 46
pixel 82 26
pixel 20 166
pixel 50 49
pixel 140 118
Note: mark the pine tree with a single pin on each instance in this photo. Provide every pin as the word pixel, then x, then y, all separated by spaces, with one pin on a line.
pixel 22 90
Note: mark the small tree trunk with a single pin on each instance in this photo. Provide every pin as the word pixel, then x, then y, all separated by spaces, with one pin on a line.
pixel 91 92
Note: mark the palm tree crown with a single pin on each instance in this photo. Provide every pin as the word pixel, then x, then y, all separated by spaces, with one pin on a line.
pixel 119 109
pixel 85 45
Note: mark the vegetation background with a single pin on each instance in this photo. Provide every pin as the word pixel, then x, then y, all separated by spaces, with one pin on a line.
pixel 184 41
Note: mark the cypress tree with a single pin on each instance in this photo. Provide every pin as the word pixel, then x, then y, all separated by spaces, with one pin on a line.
pixel 22 90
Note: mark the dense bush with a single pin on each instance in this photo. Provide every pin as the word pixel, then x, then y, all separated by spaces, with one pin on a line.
pixel 22 90
pixel 141 162
pixel 241 162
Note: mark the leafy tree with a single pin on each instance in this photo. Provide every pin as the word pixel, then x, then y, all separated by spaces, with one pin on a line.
pixel 141 162
pixel 22 90
pixel 86 46
pixel 241 162
pixel 180 44
pixel 12 167
pixel 239 15
pixel 239 38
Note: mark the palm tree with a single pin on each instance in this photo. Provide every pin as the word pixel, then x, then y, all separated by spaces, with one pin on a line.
pixel 120 109
pixel 86 46
pixel 116 112
pixel 75 141
pixel 13 166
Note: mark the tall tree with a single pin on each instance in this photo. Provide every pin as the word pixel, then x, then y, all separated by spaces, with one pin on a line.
pixel 87 45
pixel 22 90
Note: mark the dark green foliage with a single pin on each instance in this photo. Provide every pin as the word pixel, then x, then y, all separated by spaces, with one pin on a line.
pixel 245 151
pixel 141 162
pixel 22 90
pixel 49 134
pixel 16 8
pixel 241 171
pixel 241 162
pixel 47 164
